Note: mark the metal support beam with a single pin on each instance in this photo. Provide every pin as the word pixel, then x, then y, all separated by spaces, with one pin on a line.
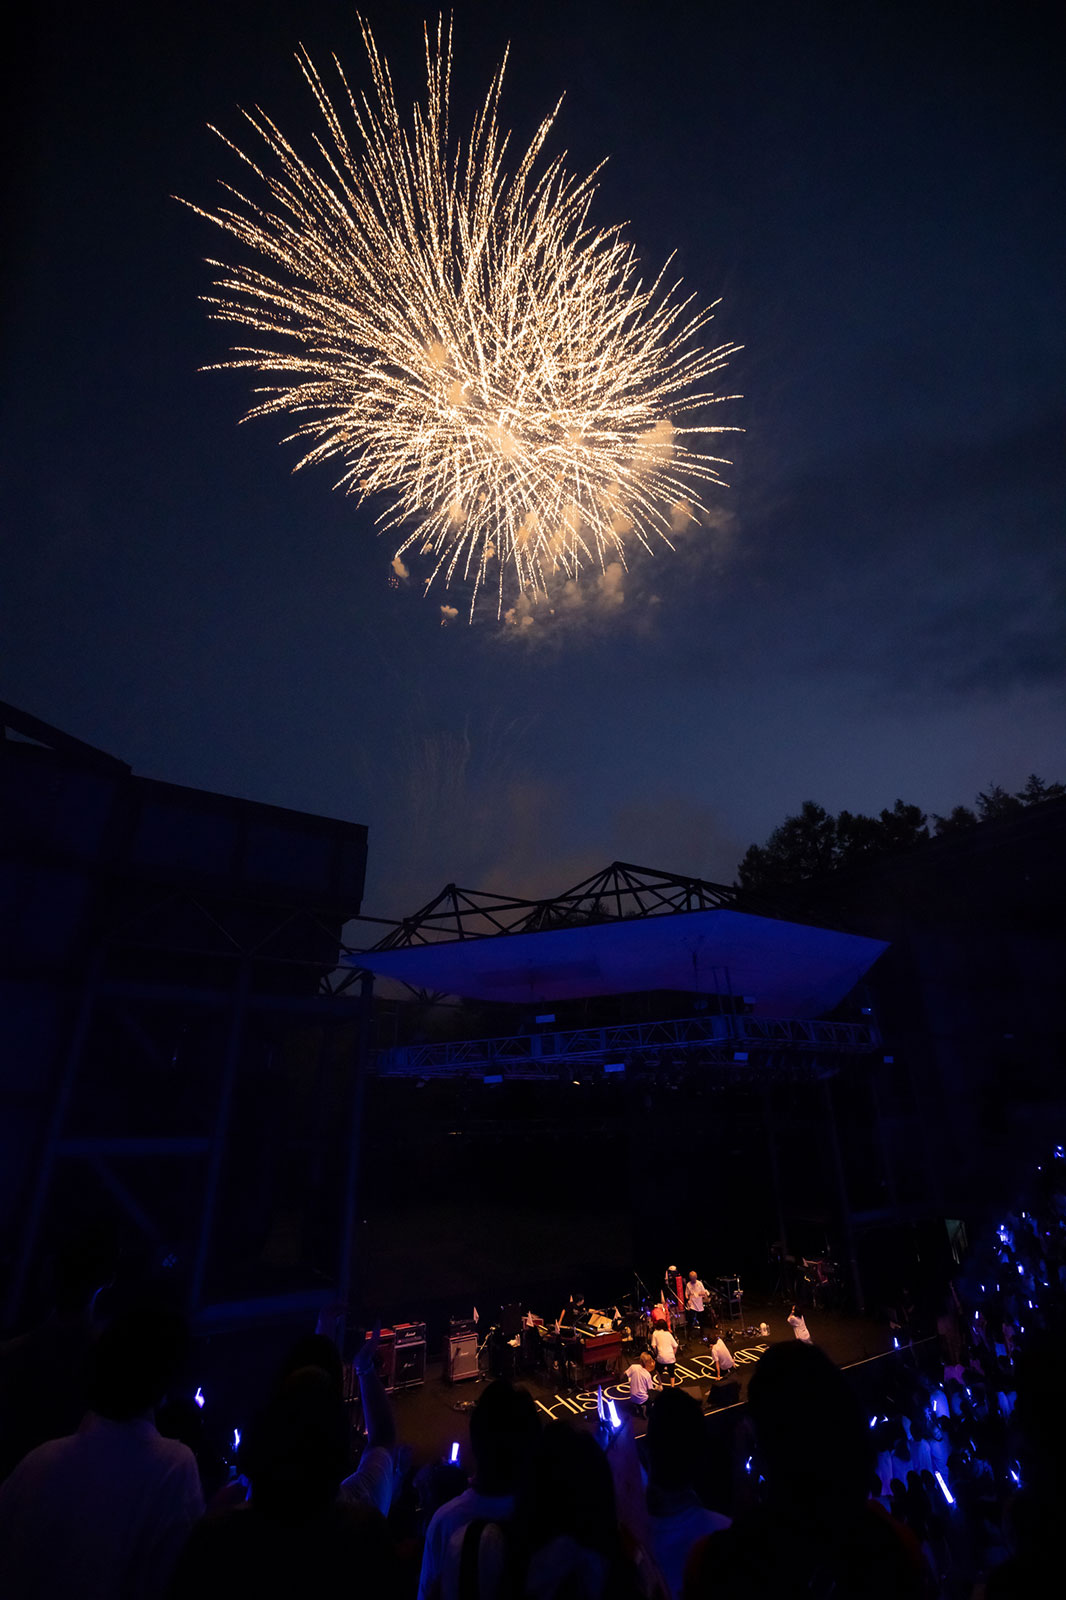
pixel 64 1089
pixel 846 1219
pixel 221 1131
pixel 104 1145
pixel 349 1232
pixel 125 1197
pixel 767 1097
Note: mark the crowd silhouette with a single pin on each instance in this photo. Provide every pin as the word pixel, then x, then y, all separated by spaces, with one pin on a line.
pixel 942 1477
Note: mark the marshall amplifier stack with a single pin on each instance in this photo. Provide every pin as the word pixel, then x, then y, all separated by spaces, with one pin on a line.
pixel 460 1350
pixel 410 1355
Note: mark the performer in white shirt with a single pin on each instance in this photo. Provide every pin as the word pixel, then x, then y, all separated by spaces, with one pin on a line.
pixel 664 1345
pixel 695 1301
pixel 641 1377
pixel 722 1357
pixel 798 1325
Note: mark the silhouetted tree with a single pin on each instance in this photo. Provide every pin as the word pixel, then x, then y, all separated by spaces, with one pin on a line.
pixel 1035 789
pixel 957 821
pixel 814 841
pixel 997 803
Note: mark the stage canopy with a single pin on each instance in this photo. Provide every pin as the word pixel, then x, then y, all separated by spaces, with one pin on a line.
pixel 785 969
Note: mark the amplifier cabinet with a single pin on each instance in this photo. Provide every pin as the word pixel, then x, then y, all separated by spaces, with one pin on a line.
pixel 410 1367
pixel 460 1357
pixel 385 1360
pixel 410 1333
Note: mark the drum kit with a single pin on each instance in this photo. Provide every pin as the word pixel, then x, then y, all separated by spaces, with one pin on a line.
pixel 722 1301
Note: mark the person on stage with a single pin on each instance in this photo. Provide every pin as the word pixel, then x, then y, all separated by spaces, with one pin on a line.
pixel 695 1302
pixel 722 1357
pixel 664 1345
pixel 798 1325
pixel 575 1313
pixel 641 1376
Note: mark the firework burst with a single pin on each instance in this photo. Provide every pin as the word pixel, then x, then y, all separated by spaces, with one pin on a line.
pixel 473 352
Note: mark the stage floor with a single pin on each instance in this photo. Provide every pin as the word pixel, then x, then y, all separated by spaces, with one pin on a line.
pixel 433 1415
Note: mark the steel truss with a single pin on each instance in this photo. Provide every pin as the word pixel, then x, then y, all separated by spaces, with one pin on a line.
pixel 730 1041
pixel 621 892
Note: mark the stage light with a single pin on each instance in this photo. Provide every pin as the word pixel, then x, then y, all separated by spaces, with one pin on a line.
pixel 493 1077
pixel 614 1066
pixel 889 1061
pixel 740 1055
pixel 199 1398
pixel 549 1016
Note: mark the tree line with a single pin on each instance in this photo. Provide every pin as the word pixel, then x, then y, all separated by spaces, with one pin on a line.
pixel 813 841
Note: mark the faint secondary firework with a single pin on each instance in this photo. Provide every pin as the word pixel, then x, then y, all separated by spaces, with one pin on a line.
pixel 471 350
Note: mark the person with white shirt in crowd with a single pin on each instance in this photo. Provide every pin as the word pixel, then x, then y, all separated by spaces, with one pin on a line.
pixel 664 1346
pixel 695 1301
pixel 503 1435
pixel 677 1461
pixel 722 1357
pixel 641 1376
pixel 798 1325
pixel 106 1511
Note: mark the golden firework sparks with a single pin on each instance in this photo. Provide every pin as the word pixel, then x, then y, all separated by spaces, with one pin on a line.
pixel 476 354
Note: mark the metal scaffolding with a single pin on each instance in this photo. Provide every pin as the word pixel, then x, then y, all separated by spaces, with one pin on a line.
pixel 810 1048
pixel 620 892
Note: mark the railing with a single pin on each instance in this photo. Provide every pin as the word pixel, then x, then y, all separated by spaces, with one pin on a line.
pixel 724 1040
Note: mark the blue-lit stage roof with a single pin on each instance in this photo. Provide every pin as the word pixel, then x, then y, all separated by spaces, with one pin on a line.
pixel 787 969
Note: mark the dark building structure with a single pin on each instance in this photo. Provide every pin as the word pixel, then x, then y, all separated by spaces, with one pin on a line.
pixel 175 1062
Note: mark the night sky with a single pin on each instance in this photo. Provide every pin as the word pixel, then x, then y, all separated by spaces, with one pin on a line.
pixel 874 190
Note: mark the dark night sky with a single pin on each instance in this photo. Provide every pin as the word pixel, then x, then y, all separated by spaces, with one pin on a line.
pixel 875 191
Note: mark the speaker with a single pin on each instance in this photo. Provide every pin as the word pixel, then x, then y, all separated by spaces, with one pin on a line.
pixel 385 1359
pixel 726 1393
pixel 694 1391
pixel 410 1368
pixel 460 1357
